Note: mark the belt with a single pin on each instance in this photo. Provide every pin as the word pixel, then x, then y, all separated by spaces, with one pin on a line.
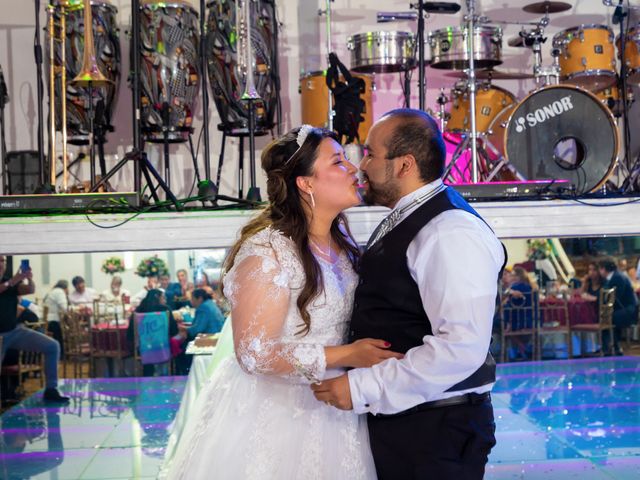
pixel 466 399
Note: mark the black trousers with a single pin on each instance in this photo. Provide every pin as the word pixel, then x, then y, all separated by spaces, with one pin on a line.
pixel 56 331
pixel 440 444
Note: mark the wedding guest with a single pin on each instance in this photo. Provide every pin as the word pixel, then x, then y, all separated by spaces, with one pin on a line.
pixel 592 283
pixel 152 283
pixel 115 292
pixel 154 301
pixel 57 305
pixel 82 295
pixel 625 309
pixel 18 336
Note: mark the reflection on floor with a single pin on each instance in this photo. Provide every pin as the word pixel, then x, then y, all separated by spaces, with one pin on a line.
pixel 555 420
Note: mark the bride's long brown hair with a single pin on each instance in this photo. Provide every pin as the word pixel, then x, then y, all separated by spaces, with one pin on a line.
pixel 283 162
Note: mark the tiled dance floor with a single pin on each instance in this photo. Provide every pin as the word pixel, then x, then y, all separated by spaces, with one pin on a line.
pixel 556 420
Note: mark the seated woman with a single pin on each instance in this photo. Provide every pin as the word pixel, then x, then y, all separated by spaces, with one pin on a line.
pixel 592 284
pixel 519 310
pixel 155 301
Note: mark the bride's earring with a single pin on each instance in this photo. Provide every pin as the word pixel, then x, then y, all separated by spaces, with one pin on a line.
pixel 313 200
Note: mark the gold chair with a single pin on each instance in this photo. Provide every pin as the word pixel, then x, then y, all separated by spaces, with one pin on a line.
pixel 29 364
pixel 76 344
pixel 554 319
pixel 109 343
pixel 605 321
pixel 519 320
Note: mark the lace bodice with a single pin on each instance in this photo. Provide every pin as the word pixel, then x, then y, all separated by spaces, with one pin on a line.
pixel 263 287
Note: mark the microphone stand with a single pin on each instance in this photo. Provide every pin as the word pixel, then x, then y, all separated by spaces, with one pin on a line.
pixel 619 16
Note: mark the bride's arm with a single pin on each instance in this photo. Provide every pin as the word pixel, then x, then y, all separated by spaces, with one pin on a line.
pixel 259 292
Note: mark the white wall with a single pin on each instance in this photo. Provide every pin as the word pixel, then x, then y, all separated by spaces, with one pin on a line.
pixel 302 48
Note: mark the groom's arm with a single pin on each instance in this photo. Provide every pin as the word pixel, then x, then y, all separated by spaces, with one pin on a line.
pixel 456 273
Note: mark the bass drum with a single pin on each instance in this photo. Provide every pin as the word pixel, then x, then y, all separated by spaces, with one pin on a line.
pixel 315 101
pixel 547 137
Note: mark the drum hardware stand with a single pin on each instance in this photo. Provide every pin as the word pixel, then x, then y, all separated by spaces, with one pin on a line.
pixel 442 100
pixel 142 165
pixel 619 15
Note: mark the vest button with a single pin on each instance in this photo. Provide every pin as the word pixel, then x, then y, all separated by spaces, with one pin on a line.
pixel 361 281
pixel 352 333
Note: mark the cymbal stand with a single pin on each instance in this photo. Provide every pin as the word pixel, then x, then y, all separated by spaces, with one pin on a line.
pixel 327 13
pixel 471 18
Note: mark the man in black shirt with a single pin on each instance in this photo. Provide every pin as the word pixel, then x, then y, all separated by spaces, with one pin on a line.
pixel 19 337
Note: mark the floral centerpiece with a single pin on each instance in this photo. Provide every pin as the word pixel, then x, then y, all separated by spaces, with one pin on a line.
pixel 152 267
pixel 112 265
pixel 539 249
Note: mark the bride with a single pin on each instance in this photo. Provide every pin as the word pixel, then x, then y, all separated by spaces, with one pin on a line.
pixel 290 281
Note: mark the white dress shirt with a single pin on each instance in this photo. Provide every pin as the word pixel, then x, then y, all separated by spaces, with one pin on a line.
pixel 56 303
pixel 455 260
pixel 108 296
pixel 85 298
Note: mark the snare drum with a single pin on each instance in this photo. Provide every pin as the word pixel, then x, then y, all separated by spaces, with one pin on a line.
pixel 490 100
pixel 169 74
pixel 382 52
pixel 107 46
pixel 587 56
pixel 631 54
pixel 449 47
pixel 315 101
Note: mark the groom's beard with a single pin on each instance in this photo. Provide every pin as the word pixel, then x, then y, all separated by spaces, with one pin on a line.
pixel 386 193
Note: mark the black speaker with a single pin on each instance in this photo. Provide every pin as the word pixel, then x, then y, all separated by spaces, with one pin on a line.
pixel 23 168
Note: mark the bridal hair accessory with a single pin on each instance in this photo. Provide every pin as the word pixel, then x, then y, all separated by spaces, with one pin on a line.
pixel 302 136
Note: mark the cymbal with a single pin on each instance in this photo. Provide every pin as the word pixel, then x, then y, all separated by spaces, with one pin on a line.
pixel 492 75
pixel 547 7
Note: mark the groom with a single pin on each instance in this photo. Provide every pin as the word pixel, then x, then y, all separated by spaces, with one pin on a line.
pixel 428 286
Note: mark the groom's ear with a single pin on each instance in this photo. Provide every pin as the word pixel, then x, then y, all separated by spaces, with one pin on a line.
pixel 407 165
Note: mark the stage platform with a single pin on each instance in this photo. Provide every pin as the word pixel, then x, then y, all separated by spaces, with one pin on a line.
pixel 556 420
pixel 201 229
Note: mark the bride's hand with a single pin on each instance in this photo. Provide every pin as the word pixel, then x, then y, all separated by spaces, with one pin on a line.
pixel 361 353
pixel 369 351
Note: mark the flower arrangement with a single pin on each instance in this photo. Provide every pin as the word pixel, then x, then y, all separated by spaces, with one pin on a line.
pixel 152 266
pixel 112 265
pixel 539 249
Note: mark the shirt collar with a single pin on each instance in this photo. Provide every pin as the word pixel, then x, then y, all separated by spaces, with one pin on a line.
pixel 609 276
pixel 423 190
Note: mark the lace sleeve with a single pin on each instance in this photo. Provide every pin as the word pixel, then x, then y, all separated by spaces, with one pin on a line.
pixel 258 288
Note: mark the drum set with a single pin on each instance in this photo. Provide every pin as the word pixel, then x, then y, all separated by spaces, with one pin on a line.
pixel 563 129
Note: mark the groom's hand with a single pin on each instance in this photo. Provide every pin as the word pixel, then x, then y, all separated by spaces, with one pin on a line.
pixel 334 392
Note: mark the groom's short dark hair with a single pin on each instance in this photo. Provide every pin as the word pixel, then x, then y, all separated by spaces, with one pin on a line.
pixel 418 134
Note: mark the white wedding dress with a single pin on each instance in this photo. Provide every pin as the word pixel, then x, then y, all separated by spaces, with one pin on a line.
pixel 257 418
